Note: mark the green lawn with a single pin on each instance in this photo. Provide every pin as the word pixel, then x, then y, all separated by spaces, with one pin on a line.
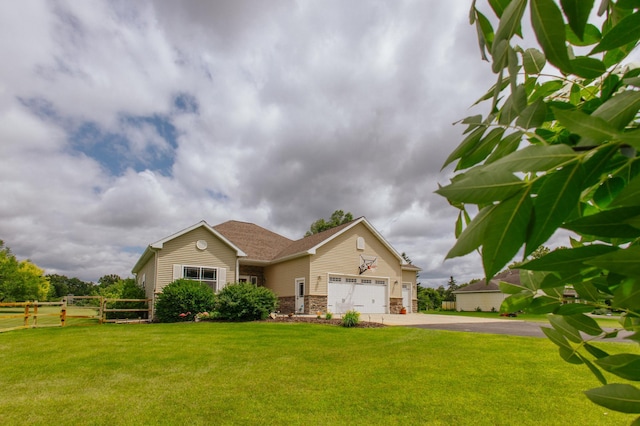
pixel 288 374
pixel 604 321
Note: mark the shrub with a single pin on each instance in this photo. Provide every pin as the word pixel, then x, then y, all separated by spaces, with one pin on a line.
pixel 245 302
pixel 478 309
pixel 328 315
pixel 350 319
pixel 182 300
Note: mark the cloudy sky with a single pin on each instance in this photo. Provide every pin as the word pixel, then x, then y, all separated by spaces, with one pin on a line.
pixel 123 122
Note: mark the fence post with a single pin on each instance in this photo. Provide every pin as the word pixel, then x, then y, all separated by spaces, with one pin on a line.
pixel 63 312
pixel 35 314
pixel 26 314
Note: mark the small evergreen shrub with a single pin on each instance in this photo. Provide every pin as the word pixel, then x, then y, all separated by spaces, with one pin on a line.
pixel 350 319
pixel 328 315
pixel 245 302
pixel 182 300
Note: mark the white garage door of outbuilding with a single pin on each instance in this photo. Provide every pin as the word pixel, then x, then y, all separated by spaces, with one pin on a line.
pixel 365 295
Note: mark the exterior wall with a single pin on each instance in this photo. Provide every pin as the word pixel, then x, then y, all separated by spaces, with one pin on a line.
pixel 485 300
pixel 148 272
pixel 315 304
pixel 251 270
pixel 341 256
pixel 410 277
pixel 281 278
pixel 182 250
pixel 395 304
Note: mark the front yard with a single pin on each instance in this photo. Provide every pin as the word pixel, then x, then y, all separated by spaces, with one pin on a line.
pixel 256 373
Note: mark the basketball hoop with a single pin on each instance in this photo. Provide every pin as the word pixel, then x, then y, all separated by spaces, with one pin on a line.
pixel 367 263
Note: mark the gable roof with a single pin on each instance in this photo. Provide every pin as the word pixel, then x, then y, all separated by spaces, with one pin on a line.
pixel 510 275
pixel 310 244
pixel 148 252
pixel 258 243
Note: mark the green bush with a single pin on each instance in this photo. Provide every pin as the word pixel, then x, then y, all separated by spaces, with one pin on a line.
pixel 182 300
pixel 329 315
pixel 245 302
pixel 350 319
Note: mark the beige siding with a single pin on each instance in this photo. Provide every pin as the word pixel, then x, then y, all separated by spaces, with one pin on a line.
pixel 470 301
pixel 281 277
pixel 341 256
pixel 148 272
pixel 182 250
pixel 410 277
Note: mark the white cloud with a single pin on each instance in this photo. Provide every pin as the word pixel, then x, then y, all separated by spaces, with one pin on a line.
pixel 295 109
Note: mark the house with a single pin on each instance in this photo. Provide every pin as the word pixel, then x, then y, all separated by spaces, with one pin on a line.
pixel 488 297
pixel 483 295
pixel 347 267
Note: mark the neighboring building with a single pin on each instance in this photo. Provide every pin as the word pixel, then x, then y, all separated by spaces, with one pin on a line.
pixel 483 295
pixel 347 267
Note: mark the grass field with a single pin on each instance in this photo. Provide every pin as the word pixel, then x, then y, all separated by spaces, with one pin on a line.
pixel 288 374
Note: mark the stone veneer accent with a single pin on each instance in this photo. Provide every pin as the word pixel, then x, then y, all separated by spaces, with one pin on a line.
pixel 395 304
pixel 287 304
pixel 414 306
pixel 314 304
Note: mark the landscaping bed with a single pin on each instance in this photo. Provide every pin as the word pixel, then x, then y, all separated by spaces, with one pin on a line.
pixel 313 320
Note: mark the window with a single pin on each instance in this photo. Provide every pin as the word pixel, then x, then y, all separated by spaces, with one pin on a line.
pixel 381 282
pixel 335 279
pixel 203 274
pixel 352 280
pixel 366 281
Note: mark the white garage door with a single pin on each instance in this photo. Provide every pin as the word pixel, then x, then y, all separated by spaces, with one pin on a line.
pixel 365 295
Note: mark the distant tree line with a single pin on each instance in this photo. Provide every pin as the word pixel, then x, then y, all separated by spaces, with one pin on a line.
pixel 23 280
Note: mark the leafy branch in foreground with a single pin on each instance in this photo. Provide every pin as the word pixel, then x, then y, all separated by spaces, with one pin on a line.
pixel 559 150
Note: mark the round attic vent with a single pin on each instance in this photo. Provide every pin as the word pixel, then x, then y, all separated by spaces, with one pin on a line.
pixel 201 244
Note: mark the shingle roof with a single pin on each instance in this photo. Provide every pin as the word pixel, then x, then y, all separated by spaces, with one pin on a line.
pixel 258 243
pixel 510 275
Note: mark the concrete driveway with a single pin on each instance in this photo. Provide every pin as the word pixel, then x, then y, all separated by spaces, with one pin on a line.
pixel 471 324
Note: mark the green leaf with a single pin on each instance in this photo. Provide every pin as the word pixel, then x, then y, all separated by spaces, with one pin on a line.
pixel 607 224
pixel 596 352
pixel 510 20
pixel 499 6
pixel 482 187
pixel 616 396
pixel 510 288
pixel 465 146
pixel 620 110
pixel 627 295
pixel 548 26
pixel 585 125
pixel 533 61
pixel 587 291
pixel 517 302
pixel 533 115
pixel 622 261
pixel 582 322
pixel 563 327
pixel 505 147
pixel 508 224
pixel 629 196
pixel 570 356
pixel 625 365
pixel 557 198
pixel 607 191
pixel 535 158
pixel 577 12
pixel 585 67
pixel 569 309
pixel 625 32
pixel 543 305
pixel 471 237
pixel 546 89
pixel 482 149
pixel 568 259
pixel 532 279
pixel 591 36
pixel 596 372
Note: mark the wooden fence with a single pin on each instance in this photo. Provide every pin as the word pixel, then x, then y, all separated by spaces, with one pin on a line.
pixel 73 310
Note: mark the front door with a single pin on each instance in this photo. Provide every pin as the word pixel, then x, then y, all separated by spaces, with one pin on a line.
pixel 299 295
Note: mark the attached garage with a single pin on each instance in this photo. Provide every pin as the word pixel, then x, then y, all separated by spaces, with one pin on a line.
pixel 365 295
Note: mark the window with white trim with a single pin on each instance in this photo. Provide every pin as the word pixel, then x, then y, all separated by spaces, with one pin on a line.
pixel 352 280
pixel 208 276
pixel 366 281
pixel 335 279
pixel 381 282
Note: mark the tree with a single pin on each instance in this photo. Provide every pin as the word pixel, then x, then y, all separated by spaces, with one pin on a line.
pixel 337 218
pixel 558 149
pixel 62 286
pixel 20 280
pixel 428 298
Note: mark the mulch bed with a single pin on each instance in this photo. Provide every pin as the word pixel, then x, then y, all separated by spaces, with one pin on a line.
pixel 312 320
